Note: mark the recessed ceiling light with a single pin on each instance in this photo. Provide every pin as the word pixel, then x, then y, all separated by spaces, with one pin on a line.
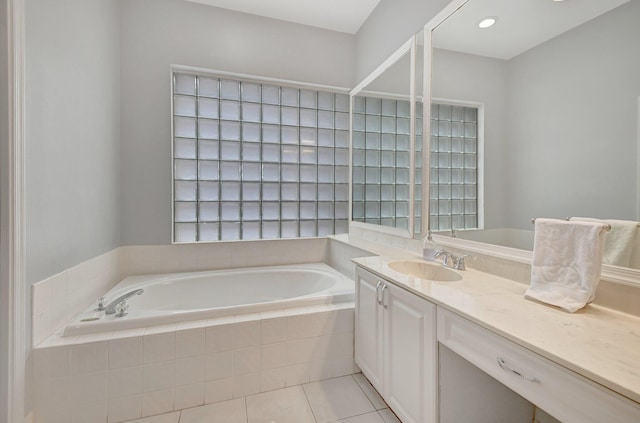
pixel 487 22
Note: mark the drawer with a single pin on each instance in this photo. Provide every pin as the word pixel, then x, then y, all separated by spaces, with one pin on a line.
pixel 562 393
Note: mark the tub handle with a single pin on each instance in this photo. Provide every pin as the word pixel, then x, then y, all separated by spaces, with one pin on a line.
pixel 122 308
pixel 100 304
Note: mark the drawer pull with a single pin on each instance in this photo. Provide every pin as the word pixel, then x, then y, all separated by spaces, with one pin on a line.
pixel 378 300
pixel 503 365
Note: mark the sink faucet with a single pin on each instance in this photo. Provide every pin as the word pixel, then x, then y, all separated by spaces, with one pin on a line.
pixel 111 308
pixel 446 257
pixel 451 260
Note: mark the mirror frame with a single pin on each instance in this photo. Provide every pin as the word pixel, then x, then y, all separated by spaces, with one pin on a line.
pixel 620 275
pixel 409 47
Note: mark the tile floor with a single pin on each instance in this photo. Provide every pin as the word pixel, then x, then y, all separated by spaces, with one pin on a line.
pixel 347 399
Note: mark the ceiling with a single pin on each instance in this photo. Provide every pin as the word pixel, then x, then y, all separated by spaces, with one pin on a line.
pixel 521 25
pixel 336 15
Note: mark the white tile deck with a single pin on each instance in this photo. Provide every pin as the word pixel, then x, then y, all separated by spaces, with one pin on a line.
pixel 347 399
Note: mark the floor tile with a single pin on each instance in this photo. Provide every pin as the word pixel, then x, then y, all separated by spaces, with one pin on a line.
pixel 388 416
pixel 370 392
pixel 162 418
pixel 287 405
pixel 373 417
pixel 336 399
pixel 233 411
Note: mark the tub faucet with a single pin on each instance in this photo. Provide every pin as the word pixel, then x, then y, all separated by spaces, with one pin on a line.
pixel 111 308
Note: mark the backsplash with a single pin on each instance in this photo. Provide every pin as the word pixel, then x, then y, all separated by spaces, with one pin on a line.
pixel 623 298
pixel 57 299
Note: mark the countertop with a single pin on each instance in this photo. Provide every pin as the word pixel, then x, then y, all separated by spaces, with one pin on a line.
pixel 600 344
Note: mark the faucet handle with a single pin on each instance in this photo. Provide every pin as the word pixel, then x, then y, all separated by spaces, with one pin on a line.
pixel 446 256
pixel 100 304
pixel 458 262
pixel 122 308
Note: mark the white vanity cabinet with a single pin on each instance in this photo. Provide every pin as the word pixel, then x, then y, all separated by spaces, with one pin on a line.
pixel 396 347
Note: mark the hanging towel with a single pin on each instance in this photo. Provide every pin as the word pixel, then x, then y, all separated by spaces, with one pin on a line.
pixel 619 242
pixel 567 260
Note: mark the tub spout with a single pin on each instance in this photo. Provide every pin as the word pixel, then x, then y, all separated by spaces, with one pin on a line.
pixel 111 308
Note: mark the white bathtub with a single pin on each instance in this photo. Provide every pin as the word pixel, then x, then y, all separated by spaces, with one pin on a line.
pixel 180 297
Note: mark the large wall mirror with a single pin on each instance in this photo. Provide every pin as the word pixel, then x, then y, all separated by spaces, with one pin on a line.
pixel 554 88
pixel 386 132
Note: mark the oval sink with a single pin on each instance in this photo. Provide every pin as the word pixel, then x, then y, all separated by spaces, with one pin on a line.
pixel 423 270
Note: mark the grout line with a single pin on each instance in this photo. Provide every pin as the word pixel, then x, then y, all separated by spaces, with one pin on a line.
pixel 365 394
pixel 308 402
pixel 246 409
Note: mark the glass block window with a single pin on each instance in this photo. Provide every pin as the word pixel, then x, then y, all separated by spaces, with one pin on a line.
pixel 454 167
pixel 381 161
pixel 255 161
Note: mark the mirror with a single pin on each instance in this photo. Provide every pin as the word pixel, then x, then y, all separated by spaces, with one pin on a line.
pixel 383 152
pixel 557 90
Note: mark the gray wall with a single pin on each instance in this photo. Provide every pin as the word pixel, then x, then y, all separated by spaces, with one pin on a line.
pixel 459 76
pixel 573 122
pixel 157 33
pixel 390 24
pixel 467 394
pixel 561 122
pixel 72 133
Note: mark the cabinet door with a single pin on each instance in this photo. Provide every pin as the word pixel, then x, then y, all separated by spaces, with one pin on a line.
pixel 368 328
pixel 410 355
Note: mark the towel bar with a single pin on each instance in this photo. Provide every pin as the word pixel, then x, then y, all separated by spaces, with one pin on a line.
pixel 605 226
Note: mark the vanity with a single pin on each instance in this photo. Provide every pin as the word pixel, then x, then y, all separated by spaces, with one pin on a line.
pixel 496 125
pixel 580 367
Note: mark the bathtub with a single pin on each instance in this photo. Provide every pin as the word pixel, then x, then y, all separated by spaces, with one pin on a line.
pixel 180 297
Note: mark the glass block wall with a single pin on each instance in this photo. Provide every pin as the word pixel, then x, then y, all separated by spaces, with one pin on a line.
pixel 381 154
pixel 454 167
pixel 255 161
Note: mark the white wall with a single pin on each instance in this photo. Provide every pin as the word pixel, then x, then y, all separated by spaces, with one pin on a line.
pixel 459 76
pixel 157 33
pixel 390 24
pixel 573 122
pixel 72 133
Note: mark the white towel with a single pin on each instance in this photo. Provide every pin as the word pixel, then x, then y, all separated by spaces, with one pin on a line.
pixel 567 260
pixel 619 242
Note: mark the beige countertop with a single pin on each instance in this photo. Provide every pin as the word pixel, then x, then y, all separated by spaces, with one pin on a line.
pixel 600 344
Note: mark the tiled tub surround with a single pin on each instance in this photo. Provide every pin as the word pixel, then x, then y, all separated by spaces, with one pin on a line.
pixel 58 298
pixel 143 372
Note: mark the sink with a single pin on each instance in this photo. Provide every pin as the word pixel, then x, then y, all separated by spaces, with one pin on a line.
pixel 423 270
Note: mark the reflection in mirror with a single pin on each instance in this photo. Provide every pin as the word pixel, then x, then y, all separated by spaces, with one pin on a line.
pixel 558 108
pixel 419 231
pixel 382 148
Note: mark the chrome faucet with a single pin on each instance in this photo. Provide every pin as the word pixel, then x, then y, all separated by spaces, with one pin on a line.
pixel 451 260
pixel 112 307
pixel 446 257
